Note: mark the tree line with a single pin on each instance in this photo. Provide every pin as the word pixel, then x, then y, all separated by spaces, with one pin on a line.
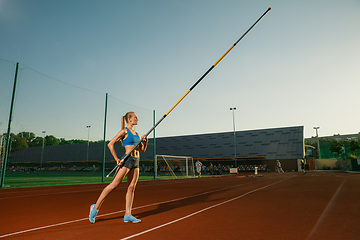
pixel 337 147
pixel 29 139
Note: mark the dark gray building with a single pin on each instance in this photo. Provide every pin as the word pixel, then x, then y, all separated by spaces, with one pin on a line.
pixel 272 143
pixel 285 143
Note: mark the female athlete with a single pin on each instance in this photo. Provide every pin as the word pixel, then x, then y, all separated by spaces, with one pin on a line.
pixel 130 167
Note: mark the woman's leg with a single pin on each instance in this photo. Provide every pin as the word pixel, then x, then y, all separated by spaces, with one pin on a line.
pixel 109 188
pixel 132 179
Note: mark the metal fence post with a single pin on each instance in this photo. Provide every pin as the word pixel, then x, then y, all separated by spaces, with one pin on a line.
pixel 7 146
pixel 104 143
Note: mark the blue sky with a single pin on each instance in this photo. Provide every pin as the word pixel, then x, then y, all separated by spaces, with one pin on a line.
pixel 300 66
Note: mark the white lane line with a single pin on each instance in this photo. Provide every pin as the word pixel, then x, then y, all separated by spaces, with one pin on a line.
pixel 326 210
pixel 121 186
pixel 112 213
pixel 117 212
pixel 39 228
pixel 200 211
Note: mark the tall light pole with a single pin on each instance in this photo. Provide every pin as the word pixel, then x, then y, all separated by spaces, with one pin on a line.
pixel 42 149
pixel 233 110
pixel 317 138
pixel 87 152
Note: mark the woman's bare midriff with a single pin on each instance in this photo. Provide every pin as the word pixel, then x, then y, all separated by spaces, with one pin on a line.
pixel 134 153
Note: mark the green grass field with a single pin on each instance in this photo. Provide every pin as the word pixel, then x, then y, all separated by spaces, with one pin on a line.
pixel 40 179
pixel 56 178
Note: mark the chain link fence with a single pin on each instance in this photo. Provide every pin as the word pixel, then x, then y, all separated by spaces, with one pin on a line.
pixel 57 129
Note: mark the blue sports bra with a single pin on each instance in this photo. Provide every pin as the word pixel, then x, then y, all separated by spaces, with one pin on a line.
pixel 131 139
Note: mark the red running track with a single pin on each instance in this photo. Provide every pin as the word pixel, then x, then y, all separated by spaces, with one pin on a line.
pixel 318 205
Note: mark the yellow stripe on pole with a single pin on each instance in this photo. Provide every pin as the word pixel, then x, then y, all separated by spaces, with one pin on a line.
pixel 224 55
pixel 178 102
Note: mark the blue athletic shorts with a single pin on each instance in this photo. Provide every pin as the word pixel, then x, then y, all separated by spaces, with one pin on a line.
pixel 132 162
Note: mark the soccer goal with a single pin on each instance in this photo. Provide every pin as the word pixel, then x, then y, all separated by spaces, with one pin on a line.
pixel 167 166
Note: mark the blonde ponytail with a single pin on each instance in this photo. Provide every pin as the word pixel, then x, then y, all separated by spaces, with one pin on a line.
pixel 122 122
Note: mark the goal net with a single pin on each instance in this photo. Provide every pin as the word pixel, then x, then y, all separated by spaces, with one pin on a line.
pixel 167 166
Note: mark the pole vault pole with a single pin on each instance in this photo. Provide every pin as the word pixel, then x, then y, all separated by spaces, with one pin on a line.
pixel 198 81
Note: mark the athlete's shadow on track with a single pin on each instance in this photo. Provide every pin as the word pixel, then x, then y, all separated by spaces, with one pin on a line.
pixel 165 207
pixel 168 206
